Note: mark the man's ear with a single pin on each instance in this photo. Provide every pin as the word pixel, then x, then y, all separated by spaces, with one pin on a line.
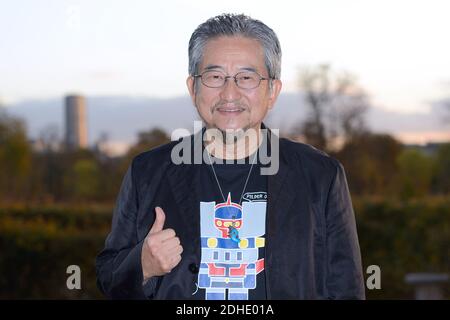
pixel 190 83
pixel 275 92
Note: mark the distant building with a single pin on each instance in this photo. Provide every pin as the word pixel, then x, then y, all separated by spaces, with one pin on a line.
pixel 76 126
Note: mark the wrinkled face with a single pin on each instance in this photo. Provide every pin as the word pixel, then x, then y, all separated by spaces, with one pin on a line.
pixel 231 107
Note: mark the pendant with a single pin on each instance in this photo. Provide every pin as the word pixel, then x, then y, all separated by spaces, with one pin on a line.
pixel 233 233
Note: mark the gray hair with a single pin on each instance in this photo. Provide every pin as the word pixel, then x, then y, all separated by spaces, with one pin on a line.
pixel 236 25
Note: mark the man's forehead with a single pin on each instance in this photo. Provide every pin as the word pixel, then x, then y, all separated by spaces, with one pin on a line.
pixel 246 54
pixel 222 68
pixel 232 41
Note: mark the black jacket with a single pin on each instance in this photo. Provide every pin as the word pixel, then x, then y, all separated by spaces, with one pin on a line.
pixel 311 252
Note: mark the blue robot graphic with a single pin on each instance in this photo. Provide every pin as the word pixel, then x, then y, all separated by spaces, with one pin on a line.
pixel 230 237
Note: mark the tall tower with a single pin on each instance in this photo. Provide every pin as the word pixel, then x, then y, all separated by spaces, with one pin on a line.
pixel 76 128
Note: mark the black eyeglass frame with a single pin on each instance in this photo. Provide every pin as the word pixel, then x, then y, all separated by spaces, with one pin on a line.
pixel 261 78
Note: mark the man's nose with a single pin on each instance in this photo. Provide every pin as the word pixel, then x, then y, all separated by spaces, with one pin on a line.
pixel 230 90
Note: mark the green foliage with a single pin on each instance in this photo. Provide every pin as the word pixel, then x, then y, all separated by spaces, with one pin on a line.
pixel 51 176
pixel 15 155
pixel 147 140
pixel 84 180
pixel 38 244
pixel 415 173
pixel 441 176
pixel 370 163
pixel 401 238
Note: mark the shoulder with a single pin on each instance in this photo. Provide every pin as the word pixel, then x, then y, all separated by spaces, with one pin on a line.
pixel 314 167
pixel 159 153
pixel 157 158
pixel 308 156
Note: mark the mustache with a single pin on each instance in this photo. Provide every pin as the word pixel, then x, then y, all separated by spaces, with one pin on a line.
pixel 236 104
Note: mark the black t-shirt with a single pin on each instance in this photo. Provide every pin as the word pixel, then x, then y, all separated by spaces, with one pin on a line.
pixel 232 231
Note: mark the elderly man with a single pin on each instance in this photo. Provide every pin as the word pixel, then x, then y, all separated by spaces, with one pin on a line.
pixel 221 228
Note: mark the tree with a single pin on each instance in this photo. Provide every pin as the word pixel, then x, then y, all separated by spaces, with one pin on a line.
pixel 441 172
pixel 337 106
pixel 85 173
pixel 415 173
pixel 81 175
pixel 50 138
pixel 15 156
pixel 370 162
pixel 148 140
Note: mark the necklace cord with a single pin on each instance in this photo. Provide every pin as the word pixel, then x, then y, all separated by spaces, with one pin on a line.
pixel 246 181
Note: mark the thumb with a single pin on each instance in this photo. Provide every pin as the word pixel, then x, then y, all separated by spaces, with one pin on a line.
pixel 159 221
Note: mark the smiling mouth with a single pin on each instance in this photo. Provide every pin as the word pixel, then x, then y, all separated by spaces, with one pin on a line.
pixel 230 110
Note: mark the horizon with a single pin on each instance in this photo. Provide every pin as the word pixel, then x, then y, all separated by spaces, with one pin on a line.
pixel 109 116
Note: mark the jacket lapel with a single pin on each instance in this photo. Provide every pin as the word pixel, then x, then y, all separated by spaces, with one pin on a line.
pixel 280 193
pixel 278 202
pixel 288 224
pixel 185 183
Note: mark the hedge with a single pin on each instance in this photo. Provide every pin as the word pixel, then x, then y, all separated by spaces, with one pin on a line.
pixel 37 244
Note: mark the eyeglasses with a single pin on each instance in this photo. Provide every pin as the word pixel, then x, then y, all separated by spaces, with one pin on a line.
pixel 244 80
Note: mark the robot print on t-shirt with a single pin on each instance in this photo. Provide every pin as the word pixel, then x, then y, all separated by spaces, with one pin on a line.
pixel 231 235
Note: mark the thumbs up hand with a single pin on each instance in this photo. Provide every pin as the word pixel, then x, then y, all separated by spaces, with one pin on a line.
pixel 162 250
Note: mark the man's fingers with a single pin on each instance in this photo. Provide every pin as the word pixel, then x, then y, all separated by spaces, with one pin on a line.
pixel 158 225
pixel 172 242
pixel 169 261
pixel 175 250
pixel 175 261
pixel 162 241
pixel 165 235
pixel 164 247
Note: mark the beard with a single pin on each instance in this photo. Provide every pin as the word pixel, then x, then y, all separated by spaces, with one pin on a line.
pixel 231 136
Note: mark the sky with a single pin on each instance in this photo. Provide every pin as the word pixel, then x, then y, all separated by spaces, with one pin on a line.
pixel 398 50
